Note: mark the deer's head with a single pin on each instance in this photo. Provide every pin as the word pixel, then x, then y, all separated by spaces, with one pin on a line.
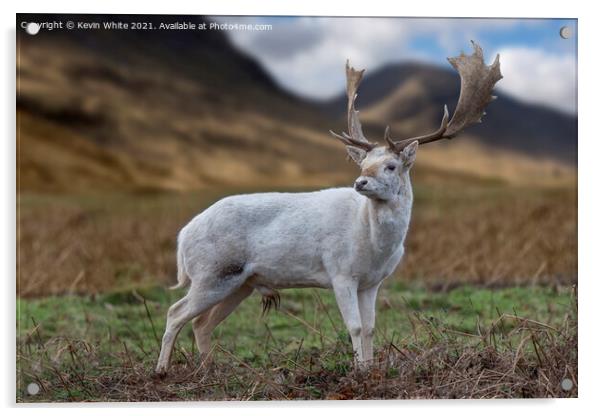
pixel 382 170
pixel 383 167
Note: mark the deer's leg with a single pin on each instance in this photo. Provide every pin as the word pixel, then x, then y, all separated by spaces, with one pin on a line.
pixel 201 297
pixel 345 292
pixel 198 322
pixel 204 324
pixel 367 305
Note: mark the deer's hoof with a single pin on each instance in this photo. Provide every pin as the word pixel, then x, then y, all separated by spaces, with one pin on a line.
pixel 160 373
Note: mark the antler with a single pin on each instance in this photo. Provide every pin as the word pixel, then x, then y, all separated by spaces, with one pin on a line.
pixel 477 81
pixel 355 137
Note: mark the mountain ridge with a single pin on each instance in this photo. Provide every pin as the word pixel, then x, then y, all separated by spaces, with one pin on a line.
pixel 509 123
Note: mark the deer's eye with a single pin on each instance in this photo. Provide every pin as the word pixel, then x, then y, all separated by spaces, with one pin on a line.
pixel 390 168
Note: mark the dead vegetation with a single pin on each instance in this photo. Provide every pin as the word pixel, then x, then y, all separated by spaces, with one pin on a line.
pixel 490 235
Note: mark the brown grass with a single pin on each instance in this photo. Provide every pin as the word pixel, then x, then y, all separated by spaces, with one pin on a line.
pixel 497 236
pixel 486 234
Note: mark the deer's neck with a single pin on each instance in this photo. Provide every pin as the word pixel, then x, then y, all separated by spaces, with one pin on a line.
pixel 388 221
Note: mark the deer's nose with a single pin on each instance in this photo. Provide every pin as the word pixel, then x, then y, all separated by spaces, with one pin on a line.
pixel 360 183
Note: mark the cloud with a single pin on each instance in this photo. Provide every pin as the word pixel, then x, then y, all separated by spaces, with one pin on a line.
pixel 539 77
pixel 306 55
pixel 293 36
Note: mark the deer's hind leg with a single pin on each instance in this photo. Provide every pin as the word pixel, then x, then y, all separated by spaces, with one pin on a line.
pixel 204 324
pixel 204 293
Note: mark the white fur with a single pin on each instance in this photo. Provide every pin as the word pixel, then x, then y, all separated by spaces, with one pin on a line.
pixel 341 239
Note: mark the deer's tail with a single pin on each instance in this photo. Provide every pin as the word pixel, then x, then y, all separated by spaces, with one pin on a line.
pixel 183 278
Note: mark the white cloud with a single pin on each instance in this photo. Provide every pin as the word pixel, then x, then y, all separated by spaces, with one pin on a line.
pixel 315 68
pixel 538 77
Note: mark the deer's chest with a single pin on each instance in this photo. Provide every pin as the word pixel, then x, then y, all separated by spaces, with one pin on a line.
pixel 383 251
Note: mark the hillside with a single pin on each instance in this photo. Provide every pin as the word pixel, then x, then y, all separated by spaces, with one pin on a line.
pixel 183 110
pixel 159 110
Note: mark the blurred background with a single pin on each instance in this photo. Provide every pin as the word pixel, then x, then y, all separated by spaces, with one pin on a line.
pixel 124 135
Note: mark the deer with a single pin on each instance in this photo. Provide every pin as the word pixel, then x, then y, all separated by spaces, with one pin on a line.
pixel 346 239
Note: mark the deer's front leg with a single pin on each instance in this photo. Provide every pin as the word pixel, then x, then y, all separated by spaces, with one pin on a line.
pixel 345 292
pixel 367 304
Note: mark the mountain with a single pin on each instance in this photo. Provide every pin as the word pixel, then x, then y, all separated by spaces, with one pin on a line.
pixel 410 97
pixel 147 110
pixel 159 109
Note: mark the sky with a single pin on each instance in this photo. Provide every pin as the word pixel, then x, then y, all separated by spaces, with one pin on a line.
pixel 306 55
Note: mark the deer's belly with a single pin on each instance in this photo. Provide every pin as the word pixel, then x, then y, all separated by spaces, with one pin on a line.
pixel 278 278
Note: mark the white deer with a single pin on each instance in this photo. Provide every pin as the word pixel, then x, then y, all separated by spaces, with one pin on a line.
pixel 345 239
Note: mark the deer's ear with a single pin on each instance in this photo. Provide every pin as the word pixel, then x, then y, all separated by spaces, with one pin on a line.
pixel 408 154
pixel 356 154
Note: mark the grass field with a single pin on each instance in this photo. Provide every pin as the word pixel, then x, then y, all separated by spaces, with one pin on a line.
pixel 467 342
pixel 483 305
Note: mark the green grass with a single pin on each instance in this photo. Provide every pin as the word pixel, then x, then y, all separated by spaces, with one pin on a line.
pixel 126 327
